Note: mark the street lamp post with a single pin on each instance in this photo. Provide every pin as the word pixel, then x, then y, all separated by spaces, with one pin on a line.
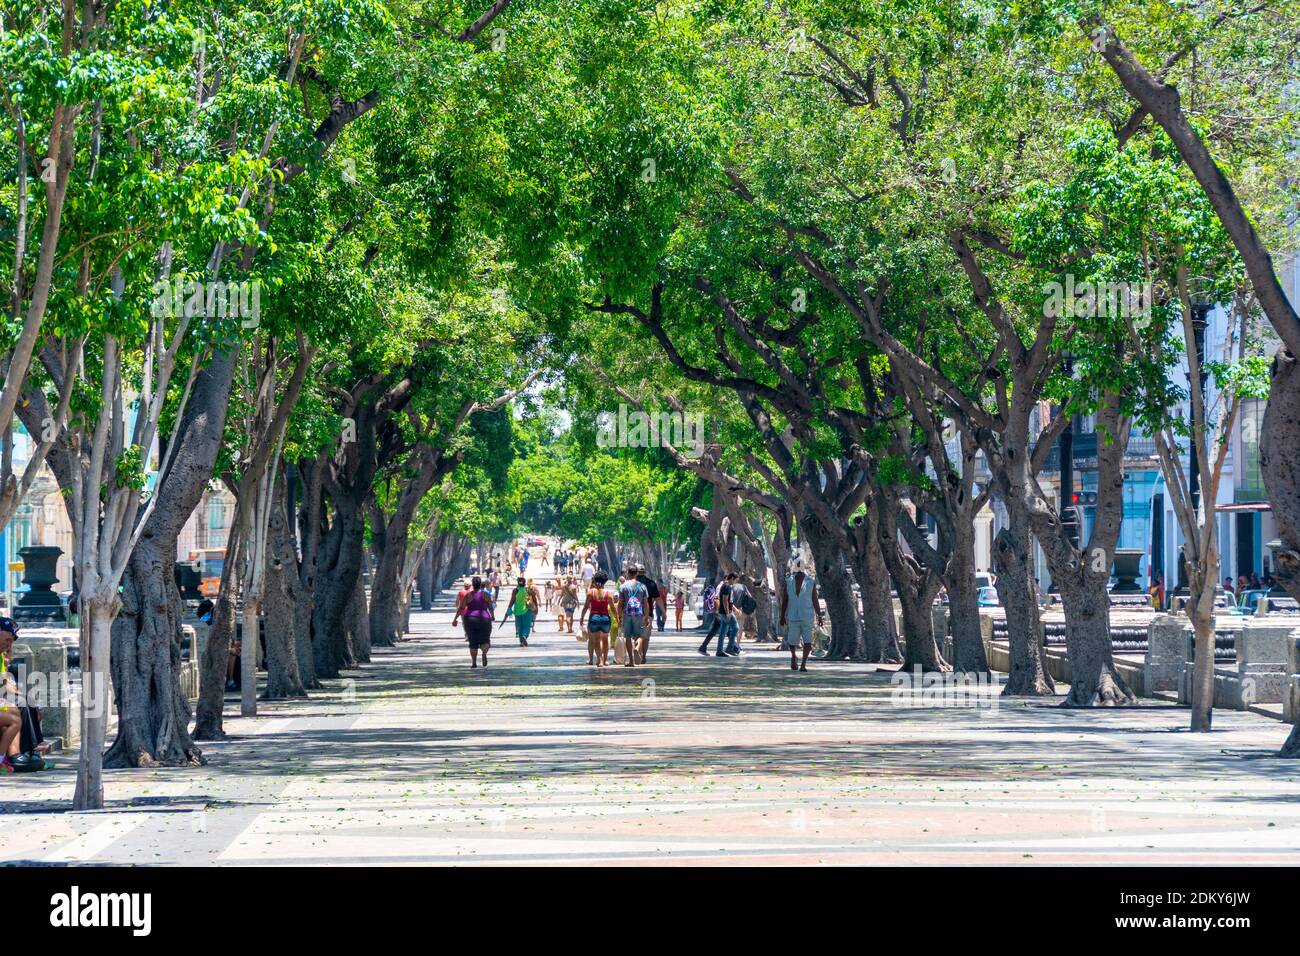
pixel 1200 321
pixel 1201 305
pixel 1069 514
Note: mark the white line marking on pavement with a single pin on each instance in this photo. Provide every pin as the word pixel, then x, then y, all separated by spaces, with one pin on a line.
pixel 97 839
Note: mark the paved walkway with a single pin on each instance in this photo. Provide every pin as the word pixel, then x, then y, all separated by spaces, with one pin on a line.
pixel 541 759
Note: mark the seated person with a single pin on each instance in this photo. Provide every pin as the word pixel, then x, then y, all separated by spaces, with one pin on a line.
pixel 21 743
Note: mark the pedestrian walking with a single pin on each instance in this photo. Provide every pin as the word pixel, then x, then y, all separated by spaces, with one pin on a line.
pixel 597 620
pixel 743 606
pixel 475 607
pixel 799 607
pixel 724 617
pixel 633 601
pixel 568 604
pixel 679 605
pixel 523 605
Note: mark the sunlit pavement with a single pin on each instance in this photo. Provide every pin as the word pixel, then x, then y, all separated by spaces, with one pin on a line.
pixel 542 759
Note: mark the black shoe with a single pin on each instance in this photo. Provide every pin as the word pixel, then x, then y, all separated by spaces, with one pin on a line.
pixel 27 763
pixel 733 652
pixel 703 650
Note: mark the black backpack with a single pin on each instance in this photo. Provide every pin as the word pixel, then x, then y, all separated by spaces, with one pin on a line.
pixel 745 601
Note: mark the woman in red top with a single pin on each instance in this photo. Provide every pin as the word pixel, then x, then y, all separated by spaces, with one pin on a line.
pixel 603 610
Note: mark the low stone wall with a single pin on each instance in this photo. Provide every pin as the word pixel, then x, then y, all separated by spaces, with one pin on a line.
pixel 55 687
pixel 40 656
pixel 1259 674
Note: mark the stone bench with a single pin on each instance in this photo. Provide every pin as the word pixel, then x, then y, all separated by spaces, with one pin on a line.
pixel 48 660
pixel 40 658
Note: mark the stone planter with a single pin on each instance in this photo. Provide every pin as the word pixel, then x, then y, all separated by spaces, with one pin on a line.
pixel 39 604
pixel 1127 563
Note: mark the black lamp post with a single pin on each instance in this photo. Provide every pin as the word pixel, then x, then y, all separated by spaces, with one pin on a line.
pixel 1069 514
pixel 1201 304
pixel 1200 321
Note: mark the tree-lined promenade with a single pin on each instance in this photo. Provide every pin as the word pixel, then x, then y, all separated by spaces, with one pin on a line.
pixel 385 271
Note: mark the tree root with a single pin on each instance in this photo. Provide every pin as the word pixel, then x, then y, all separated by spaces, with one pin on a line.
pixel 1109 691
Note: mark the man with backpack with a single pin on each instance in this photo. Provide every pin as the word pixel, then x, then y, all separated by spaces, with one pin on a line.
pixel 708 606
pixel 744 603
pixel 633 603
pixel 725 617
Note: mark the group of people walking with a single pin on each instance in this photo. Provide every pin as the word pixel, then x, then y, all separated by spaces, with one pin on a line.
pixel 620 616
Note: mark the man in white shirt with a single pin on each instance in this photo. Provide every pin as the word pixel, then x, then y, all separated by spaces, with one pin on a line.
pixel 588 572
pixel 799 605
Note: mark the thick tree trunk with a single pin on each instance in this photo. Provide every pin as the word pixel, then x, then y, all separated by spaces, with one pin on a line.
pixel 153 714
pixel 920 648
pixel 1094 680
pixel 833 586
pixel 303 614
pixel 385 625
pixel 707 561
pixel 1279 460
pixel 607 552
pixel 283 678
pixel 426 578
pixel 1083 576
pixel 250 647
pixel 309 519
pixel 358 624
pixel 968 655
pixel 917 586
pixel 335 581
pixel 1028 676
pixel 221 634
pixel 879 628
pixel 1292 746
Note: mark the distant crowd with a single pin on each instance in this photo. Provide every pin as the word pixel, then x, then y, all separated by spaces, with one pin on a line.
pixel 617 615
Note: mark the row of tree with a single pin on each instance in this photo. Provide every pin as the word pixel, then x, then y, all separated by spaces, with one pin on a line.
pixel 312 251
pixel 892 241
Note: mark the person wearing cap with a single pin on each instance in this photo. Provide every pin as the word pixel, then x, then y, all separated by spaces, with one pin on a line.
pixel 11 722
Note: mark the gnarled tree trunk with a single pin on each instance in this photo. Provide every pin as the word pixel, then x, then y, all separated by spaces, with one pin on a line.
pixel 1028 675
pixel 879 628
pixel 283 678
pixel 834 588
pixel 153 714
pixel 968 655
